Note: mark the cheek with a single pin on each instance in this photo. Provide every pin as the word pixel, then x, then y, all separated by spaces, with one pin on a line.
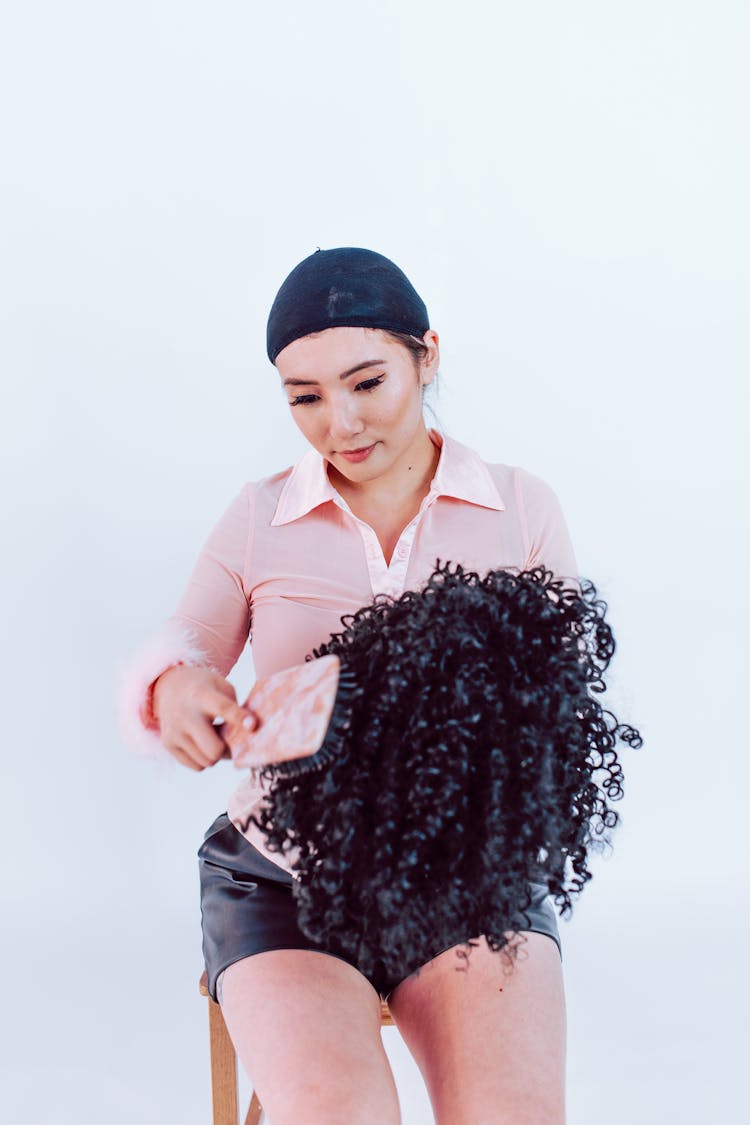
pixel 302 420
pixel 407 406
pixel 400 402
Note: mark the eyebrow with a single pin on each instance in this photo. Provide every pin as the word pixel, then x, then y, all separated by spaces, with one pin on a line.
pixel 343 375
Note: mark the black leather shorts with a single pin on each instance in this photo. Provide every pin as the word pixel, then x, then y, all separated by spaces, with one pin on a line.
pixel 247 906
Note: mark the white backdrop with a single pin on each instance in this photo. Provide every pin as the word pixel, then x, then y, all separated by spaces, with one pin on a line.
pixel 566 185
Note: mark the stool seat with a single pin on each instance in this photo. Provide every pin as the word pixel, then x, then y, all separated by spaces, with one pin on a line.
pixel 224 1087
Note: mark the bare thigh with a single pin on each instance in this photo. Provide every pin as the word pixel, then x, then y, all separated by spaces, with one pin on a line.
pixel 306 1027
pixel 490 1041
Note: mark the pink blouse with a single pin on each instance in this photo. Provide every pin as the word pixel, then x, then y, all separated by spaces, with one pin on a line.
pixel 288 558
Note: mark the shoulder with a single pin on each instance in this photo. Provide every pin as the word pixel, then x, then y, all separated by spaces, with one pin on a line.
pixel 274 480
pixel 531 496
pixel 239 511
pixel 466 471
pixel 519 487
pixel 514 483
pixel 264 494
pixel 255 491
pixel 533 488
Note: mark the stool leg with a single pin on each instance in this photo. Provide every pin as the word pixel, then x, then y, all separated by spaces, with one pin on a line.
pixel 255 1112
pixel 223 1068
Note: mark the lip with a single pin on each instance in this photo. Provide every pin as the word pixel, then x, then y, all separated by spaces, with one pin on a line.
pixel 358 454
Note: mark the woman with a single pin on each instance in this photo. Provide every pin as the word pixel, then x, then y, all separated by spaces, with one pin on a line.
pixel 367 510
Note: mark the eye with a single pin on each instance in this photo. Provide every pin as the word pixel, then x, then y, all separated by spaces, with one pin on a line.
pixel 302 400
pixel 369 384
pixel 366 385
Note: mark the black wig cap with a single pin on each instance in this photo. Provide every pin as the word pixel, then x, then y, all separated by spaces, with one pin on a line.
pixel 478 760
pixel 344 286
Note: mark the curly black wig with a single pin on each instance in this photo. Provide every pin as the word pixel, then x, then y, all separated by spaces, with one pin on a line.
pixel 476 759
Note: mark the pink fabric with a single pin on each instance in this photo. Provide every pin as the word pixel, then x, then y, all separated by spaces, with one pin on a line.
pixel 288 558
pixel 173 644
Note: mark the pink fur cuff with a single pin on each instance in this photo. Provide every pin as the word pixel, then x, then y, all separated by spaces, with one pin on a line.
pixel 171 645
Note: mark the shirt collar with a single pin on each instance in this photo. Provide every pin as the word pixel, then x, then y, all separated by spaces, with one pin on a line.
pixel 461 473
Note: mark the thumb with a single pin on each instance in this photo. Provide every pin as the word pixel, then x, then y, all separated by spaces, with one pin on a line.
pixel 228 713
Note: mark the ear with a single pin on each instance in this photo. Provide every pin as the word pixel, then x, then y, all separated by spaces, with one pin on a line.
pixel 431 362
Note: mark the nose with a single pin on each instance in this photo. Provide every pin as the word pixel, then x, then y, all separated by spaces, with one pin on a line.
pixel 344 422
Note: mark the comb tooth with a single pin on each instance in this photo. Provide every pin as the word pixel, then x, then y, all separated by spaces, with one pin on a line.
pixel 296 767
pixel 333 741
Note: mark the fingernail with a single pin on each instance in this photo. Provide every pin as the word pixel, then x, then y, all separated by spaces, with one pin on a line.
pixel 248 722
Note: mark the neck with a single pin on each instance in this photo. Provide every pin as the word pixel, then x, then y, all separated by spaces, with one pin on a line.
pixel 406 481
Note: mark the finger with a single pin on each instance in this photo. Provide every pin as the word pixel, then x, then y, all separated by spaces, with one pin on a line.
pixel 192 748
pixel 223 688
pixel 182 756
pixel 240 732
pixel 235 718
pixel 208 745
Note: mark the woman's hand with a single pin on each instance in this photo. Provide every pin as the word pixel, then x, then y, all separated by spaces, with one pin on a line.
pixel 186 701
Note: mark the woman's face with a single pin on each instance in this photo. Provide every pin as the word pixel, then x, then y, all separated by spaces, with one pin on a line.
pixel 350 388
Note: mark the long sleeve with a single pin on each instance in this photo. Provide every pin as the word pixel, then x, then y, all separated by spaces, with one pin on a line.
pixel 546 535
pixel 209 627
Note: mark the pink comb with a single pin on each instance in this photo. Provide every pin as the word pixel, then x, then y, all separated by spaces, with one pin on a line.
pixel 303 713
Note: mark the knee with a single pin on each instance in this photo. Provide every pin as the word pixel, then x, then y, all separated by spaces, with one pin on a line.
pixel 335 1094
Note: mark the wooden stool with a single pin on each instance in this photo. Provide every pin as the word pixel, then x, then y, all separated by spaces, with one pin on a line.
pixel 224 1091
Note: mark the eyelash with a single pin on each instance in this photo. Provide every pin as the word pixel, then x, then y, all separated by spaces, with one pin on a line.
pixel 367 385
